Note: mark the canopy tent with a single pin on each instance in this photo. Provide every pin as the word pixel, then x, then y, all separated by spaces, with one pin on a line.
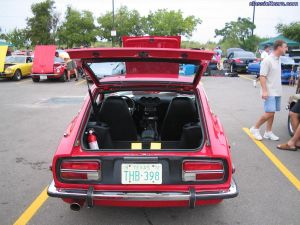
pixel 6 43
pixel 270 42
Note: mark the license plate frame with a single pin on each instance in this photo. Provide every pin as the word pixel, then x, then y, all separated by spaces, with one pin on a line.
pixel 141 173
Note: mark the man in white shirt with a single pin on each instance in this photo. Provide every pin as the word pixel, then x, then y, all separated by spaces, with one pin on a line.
pixel 265 53
pixel 271 90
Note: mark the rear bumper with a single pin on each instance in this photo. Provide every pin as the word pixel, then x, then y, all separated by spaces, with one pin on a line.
pixel 45 74
pixel 5 75
pixel 191 196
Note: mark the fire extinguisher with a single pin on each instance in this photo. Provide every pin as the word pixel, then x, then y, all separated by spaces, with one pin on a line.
pixel 92 140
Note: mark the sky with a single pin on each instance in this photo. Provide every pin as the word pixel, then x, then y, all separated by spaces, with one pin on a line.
pixel 213 13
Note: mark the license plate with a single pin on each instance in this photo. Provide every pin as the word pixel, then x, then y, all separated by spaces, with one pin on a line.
pixel 133 173
pixel 43 77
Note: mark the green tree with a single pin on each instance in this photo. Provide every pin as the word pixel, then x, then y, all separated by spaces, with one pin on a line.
pixel 40 26
pixel 238 34
pixel 77 29
pixel 18 37
pixel 291 31
pixel 2 35
pixel 127 22
pixel 163 22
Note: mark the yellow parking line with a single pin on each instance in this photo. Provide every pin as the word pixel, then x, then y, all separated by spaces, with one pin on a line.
pixel 24 81
pixel 33 208
pixel 245 77
pixel 282 168
pixel 80 82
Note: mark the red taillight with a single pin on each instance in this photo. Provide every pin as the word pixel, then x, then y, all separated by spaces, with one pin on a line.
pixel 238 60
pixel 80 170
pixel 203 170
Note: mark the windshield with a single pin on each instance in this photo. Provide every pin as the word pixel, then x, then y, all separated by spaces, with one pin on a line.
pixel 242 54
pixel 15 59
pixel 143 69
pixel 287 60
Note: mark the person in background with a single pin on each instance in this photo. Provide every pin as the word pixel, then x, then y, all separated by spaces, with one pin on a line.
pixel 263 55
pixel 28 53
pixel 56 58
pixel 266 52
pixel 9 51
pixel 294 142
pixel 218 59
pixel 292 80
pixel 71 65
pixel 271 91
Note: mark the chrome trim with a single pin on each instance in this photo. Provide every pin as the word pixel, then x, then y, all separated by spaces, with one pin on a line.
pixel 144 196
pixel 188 175
pixel 79 171
pixel 45 74
pixel 203 171
pixel 99 172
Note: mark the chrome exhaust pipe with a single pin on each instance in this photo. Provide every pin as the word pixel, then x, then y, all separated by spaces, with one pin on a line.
pixel 75 206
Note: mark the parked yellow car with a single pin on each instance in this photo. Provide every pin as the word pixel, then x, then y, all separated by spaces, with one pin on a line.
pixel 14 66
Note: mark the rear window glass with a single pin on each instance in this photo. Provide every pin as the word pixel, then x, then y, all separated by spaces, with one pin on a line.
pixel 145 69
pixel 15 59
pixel 244 54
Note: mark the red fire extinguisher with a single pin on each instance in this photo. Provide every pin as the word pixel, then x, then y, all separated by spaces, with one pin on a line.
pixel 92 140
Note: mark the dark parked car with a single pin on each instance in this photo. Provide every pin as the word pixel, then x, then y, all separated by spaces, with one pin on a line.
pixel 238 61
pixel 230 50
pixel 211 66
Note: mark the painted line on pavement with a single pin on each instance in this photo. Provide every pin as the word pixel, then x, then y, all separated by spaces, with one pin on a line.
pixel 33 208
pixel 80 82
pixel 245 77
pixel 282 168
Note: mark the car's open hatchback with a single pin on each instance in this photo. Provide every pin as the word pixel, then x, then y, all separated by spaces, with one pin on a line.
pixel 156 65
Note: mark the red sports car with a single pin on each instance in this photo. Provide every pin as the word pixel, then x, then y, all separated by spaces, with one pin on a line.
pixel 144 138
pixel 47 65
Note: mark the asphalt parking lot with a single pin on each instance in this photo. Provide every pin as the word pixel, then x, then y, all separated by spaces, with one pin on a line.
pixel 35 115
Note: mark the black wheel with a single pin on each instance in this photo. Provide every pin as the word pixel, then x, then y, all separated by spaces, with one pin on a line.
pixel 290 127
pixel 17 76
pixel 80 72
pixel 35 79
pixel 207 72
pixel 63 78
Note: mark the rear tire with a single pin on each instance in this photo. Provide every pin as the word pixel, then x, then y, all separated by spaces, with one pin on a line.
pixel 290 128
pixel 35 79
pixel 63 78
pixel 17 76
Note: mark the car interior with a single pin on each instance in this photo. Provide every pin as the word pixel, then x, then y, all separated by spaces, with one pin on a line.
pixel 145 120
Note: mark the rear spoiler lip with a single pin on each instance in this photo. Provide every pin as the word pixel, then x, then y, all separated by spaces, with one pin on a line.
pixel 140 53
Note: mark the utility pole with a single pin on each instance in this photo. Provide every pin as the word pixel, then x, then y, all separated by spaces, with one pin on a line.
pixel 253 16
pixel 113 23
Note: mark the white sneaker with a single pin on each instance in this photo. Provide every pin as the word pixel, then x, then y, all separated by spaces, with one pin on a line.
pixel 254 83
pixel 269 135
pixel 256 134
